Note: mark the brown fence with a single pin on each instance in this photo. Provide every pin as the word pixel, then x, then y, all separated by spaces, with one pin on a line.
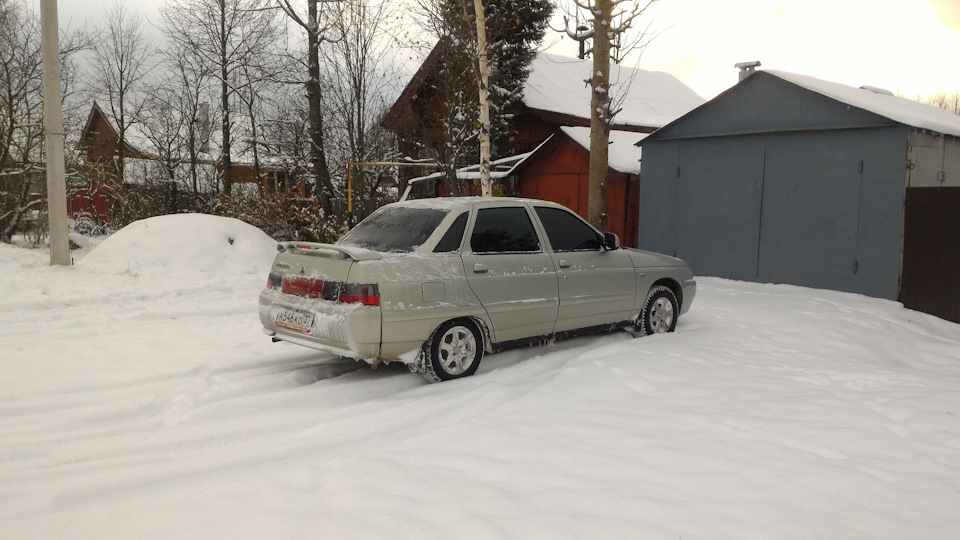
pixel 930 281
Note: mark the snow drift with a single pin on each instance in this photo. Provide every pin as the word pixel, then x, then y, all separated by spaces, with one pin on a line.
pixel 183 245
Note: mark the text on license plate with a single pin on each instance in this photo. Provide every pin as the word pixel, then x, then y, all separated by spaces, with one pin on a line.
pixel 294 320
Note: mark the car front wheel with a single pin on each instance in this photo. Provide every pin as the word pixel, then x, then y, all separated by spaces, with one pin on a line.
pixel 453 351
pixel 660 310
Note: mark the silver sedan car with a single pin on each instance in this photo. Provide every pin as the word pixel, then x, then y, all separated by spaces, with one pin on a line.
pixel 435 283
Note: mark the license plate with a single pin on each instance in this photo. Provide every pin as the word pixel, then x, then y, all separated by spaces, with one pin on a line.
pixel 297 321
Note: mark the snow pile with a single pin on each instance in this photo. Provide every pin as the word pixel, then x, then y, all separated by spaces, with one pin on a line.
pixel 142 408
pixel 183 245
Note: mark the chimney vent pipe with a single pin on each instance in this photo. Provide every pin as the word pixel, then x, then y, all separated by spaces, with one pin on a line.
pixel 747 68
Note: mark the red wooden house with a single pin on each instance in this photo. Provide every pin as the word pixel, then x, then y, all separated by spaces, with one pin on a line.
pixel 555 99
pixel 558 170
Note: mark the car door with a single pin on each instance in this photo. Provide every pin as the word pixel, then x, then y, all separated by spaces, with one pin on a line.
pixel 511 274
pixel 597 286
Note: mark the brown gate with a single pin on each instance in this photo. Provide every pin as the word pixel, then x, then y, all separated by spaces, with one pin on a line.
pixel 931 252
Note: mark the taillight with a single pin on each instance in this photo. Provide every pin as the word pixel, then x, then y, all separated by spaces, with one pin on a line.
pixel 303 286
pixel 347 293
pixel 366 294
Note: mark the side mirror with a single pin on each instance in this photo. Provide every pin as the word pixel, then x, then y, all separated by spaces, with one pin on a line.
pixel 611 241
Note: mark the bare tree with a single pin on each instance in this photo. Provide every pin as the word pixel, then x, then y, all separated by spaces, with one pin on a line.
pixel 259 81
pixel 120 64
pixel 287 128
pixel 186 94
pixel 948 102
pixel 360 78
pixel 226 35
pixel 165 126
pixel 21 110
pixel 20 113
pixel 316 29
pixel 608 22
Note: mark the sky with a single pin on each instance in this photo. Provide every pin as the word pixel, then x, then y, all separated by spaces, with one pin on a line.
pixel 907 46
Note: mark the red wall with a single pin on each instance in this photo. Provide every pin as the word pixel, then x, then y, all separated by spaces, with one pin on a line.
pixel 559 172
pixel 82 201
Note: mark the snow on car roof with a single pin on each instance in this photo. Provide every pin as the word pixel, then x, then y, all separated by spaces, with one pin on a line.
pixel 453 203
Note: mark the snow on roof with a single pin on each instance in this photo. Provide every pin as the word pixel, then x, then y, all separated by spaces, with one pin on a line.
pixel 623 155
pixel 654 98
pixel 499 168
pixel 898 109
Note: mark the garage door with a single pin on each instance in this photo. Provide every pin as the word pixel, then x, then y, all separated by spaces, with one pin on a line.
pixel 718 195
pixel 810 213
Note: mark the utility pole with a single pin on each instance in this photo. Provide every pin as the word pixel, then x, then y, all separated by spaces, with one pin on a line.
pixel 53 134
pixel 485 185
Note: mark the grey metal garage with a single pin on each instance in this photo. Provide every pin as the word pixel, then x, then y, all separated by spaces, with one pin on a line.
pixel 786 178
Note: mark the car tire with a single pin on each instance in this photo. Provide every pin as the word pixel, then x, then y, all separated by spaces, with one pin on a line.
pixel 660 311
pixel 453 351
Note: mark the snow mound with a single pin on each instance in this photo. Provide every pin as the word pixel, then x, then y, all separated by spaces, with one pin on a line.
pixel 183 244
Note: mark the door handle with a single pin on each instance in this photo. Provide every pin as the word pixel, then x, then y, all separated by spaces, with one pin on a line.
pixel 479 268
pixel 564 263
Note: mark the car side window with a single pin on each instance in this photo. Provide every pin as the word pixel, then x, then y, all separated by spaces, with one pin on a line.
pixel 503 230
pixel 454 235
pixel 568 232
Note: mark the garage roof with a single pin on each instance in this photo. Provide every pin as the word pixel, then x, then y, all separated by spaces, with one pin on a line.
pixel 898 109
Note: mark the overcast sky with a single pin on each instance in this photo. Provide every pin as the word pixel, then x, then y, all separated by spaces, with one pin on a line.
pixel 906 46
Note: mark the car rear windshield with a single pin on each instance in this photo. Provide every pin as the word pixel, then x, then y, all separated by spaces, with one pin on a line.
pixel 395 229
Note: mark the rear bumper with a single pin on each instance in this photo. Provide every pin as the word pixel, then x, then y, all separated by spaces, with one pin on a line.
pixel 350 330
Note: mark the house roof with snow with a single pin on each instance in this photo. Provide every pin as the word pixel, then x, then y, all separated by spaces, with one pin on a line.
pixel 99 130
pixel 557 87
pixel 623 154
pixel 651 99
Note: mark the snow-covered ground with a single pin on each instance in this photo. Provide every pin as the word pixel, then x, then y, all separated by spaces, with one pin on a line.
pixel 139 399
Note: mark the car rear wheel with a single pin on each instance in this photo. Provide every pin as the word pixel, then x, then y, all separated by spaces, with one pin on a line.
pixel 453 351
pixel 660 310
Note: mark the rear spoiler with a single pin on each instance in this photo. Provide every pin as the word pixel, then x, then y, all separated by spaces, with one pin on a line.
pixel 330 251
